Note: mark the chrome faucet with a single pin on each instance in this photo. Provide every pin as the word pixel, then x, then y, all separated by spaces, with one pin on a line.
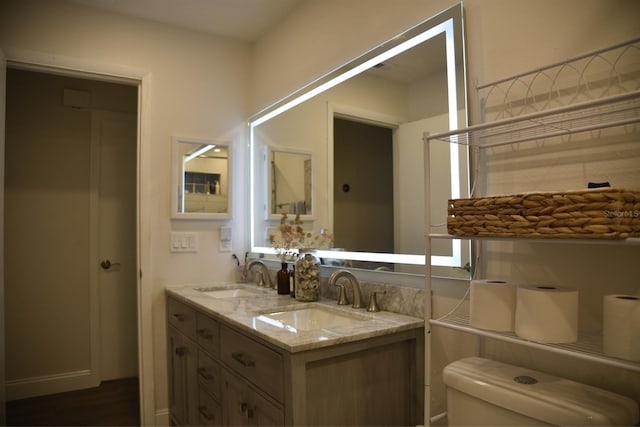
pixel 357 294
pixel 265 278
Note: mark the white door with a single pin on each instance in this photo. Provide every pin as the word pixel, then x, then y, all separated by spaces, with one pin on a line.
pixel 114 156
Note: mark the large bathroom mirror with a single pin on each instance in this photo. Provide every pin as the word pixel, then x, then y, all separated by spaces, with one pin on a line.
pixel 290 182
pixel 201 179
pixel 364 125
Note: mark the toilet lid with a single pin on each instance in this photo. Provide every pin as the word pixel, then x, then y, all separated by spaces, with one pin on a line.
pixel 540 396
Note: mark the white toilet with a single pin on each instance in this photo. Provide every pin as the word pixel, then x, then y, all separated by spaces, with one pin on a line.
pixel 483 392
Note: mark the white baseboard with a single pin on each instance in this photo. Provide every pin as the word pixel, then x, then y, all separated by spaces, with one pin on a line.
pixel 162 417
pixel 50 384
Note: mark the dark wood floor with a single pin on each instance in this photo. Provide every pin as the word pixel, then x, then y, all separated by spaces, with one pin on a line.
pixel 113 403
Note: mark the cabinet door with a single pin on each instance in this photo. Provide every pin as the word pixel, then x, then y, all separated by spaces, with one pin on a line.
pixel 243 406
pixel 183 381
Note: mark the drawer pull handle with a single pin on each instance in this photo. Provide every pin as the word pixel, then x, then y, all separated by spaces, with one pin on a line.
pixel 204 374
pixel 242 359
pixel 203 333
pixel 181 351
pixel 205 414
pixel 178 316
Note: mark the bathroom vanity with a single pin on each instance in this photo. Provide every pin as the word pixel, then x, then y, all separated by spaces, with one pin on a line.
pixel 242 355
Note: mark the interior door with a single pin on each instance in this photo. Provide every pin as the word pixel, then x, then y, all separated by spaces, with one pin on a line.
pixel 114 153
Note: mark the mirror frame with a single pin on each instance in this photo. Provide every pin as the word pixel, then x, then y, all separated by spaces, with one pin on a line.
pixel 269 180
pixel 177 181
pixel 427 29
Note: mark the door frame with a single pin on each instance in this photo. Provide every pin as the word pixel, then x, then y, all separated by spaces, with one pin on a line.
pixel 74 67
pixel 356 114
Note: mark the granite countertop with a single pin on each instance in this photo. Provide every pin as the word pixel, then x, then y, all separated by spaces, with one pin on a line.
pixel 246 313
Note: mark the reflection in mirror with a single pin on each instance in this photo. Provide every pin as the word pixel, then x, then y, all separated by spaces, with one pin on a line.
pixel 290 182
pixel 408 86
pixel 201 179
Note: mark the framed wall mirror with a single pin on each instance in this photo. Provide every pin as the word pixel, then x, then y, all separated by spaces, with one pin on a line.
pixel 412 84
pixel 290 182
pixel 201 179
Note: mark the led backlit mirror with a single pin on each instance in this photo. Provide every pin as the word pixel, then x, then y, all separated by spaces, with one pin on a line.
pixel 201 179
pixel 412 84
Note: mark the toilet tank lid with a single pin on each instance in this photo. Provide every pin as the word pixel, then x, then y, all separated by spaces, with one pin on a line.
pixel 540 396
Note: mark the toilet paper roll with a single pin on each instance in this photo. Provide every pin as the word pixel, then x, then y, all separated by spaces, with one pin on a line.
pixel 547 314
pixel 621 327
pixel 492 305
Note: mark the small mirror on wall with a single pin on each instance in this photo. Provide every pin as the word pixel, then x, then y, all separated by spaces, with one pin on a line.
pixel 201 179
pixel 290 182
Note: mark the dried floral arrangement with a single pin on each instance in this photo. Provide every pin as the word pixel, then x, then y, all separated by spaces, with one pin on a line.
pixel 292 238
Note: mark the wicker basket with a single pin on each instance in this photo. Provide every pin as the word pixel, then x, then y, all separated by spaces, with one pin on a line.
pixel 603 213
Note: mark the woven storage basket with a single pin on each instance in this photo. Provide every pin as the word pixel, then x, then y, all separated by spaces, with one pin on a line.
pixel 604 213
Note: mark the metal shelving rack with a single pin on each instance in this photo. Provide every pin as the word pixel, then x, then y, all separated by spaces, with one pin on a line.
pixel 587 93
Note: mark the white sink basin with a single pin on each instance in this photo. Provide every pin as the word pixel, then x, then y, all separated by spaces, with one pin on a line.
pixel 311 318
pixel 232 292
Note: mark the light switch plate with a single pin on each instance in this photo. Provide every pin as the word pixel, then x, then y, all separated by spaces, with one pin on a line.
pixel 184 242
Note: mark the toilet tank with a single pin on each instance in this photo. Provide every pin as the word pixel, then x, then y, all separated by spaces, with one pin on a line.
pixel 486 392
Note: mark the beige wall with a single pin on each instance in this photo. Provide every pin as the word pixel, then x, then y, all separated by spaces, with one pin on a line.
pixel 205 87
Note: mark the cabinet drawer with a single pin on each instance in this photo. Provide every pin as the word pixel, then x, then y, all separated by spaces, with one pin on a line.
pixel 254 361
pixel 182 317
pixel 209 374
pixel 208 335
pixel 209 410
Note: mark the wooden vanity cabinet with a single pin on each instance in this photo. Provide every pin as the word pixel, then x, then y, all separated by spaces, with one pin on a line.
pixel 228 376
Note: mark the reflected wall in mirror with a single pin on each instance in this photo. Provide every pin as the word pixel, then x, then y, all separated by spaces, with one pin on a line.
pixel 201 187
pixel 290 182
pixel 413 84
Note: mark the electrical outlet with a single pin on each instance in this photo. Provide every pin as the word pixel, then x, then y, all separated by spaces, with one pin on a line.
pixel 225 239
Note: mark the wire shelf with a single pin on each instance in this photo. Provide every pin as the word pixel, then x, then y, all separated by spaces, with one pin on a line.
pixel 588 346
pixel 613 111
pixel 594 91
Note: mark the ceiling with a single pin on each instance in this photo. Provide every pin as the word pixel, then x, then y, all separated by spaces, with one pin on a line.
pixel 239 19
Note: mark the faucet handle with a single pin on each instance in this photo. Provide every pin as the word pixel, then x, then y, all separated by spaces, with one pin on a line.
pixel 261 278
pixel 373 302
pixel 342 299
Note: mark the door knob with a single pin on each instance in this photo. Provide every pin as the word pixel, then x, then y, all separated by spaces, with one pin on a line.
pixel 106 264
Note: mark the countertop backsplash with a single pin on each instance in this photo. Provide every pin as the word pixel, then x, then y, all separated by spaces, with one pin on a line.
pixel 397 299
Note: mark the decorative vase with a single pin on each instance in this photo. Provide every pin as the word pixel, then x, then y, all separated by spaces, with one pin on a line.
pixel 307 277
pixel 283 279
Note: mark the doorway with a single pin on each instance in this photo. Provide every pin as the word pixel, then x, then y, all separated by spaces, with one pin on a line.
pixel 363 213
pixel 53 243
